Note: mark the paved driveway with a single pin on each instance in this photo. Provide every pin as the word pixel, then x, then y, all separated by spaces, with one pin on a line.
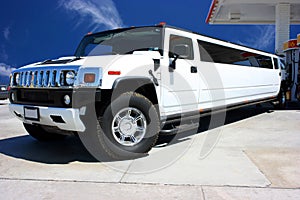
pixel 255 155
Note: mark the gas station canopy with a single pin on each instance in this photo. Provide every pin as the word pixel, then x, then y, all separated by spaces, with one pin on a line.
pixel 250 11
pixel 279 12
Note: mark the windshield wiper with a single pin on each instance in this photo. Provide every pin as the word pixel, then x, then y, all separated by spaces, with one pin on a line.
pixel 74 59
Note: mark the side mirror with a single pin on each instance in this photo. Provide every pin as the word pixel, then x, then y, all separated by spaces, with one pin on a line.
pixel 172 65
pixel 179 51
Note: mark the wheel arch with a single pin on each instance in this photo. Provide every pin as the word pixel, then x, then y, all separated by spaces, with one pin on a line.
pixel 141 85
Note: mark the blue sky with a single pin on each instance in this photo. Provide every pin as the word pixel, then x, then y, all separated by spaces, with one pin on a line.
pixel 35 30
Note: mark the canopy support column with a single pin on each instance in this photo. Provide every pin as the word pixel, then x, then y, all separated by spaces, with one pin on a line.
pixel 283 11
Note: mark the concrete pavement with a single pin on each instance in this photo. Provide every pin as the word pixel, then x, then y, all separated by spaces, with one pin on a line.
pixel 255 155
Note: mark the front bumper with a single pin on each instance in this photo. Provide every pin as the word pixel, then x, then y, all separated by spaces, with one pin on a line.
pixel 63 118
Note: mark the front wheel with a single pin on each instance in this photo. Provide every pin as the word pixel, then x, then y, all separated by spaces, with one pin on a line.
pixel 40 134
pixel 129 127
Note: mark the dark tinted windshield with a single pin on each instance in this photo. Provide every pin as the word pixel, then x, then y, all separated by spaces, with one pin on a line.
pixel 121 41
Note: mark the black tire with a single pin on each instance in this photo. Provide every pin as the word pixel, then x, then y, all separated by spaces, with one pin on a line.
pixel 40 134
pixel 281 98
pixel 165 139
pixel 168 136
pixel 114 147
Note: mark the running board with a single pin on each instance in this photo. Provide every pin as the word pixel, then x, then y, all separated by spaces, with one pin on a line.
pixel 183 117
pixel 169 132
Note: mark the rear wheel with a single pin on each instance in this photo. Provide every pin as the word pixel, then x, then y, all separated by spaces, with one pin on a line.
pixel 37 132
pixel 281 100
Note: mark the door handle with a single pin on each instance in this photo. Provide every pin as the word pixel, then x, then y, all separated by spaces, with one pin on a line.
pixel 194 69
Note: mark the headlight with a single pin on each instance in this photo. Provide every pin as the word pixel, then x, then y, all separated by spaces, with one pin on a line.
pixel 70 78
pixel 17 78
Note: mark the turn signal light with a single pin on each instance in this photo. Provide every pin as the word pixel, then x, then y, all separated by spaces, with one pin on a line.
pixel 89 78
pixel 114 72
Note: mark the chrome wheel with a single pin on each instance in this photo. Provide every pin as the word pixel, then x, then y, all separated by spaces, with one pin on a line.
pixel 129 126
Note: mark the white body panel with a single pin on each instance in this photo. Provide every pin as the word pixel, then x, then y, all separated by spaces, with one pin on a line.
pixel 180 87
pixel 215 85
pixel 239 84
pixel 129 66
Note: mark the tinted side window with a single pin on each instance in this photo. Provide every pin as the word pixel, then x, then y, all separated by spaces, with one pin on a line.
pixel 264 62
pixel 181 46
pixel 210 52
pixel 276 63
pixel 220 54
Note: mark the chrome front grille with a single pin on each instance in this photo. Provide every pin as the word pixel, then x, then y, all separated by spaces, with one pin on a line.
pixel 42 77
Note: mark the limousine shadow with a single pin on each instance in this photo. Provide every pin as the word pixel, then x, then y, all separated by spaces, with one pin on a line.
pixel 231 116
pixel 206 123
pixel 71 149
pixel 55 152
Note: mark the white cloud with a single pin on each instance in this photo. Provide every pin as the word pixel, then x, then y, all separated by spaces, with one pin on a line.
pixel 263 38
pixel 5 70
pixel 6 32
pixel 99 12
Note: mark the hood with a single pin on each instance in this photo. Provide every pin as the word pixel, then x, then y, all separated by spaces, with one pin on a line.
pixel 93 61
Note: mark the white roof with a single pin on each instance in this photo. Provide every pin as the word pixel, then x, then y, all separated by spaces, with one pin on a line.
pixel 249 11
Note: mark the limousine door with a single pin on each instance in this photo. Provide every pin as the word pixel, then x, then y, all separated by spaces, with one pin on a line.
pixel 180 88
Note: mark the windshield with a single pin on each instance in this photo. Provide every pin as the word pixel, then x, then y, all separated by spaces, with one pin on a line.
pixel 121 41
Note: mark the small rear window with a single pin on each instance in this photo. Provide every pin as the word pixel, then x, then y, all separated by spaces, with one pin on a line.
pixel 276 63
